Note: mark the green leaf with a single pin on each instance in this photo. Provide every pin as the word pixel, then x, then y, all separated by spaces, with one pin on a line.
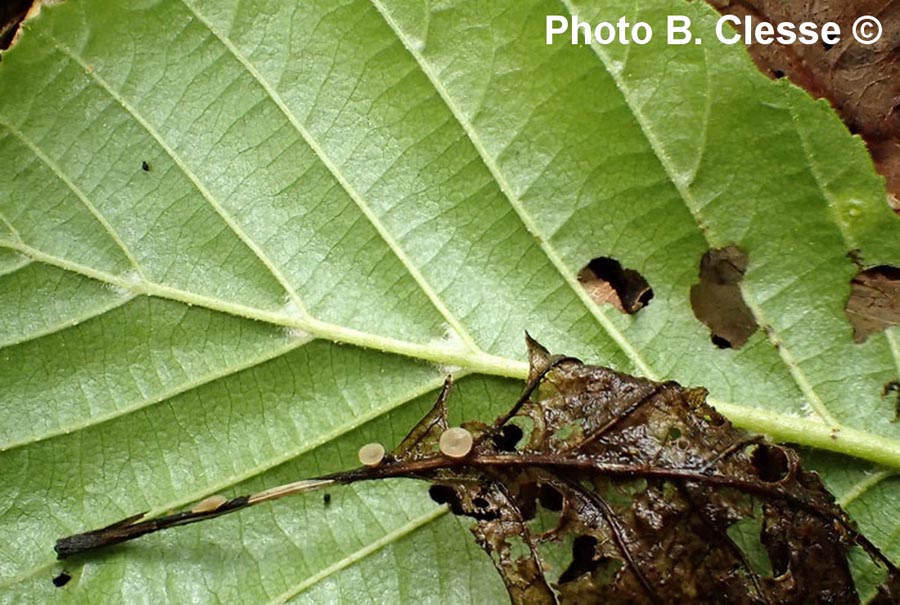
pixel 344 202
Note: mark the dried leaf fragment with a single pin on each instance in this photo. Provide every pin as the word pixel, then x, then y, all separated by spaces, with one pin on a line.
pixel 717 300
pixel 874 302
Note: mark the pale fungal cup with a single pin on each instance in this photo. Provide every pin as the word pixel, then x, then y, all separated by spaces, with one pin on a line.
pixel 456 442
pixel 371 454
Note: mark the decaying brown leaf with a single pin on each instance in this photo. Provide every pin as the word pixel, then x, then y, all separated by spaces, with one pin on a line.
pixel 874 302
pixel 861 82
pixel 649 485
pixel 650 480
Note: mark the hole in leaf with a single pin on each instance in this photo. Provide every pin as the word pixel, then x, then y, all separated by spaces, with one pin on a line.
pixel 444 494
pixel 550 498
pixel 770 462
pixel 583 550
pixel 720 342
pixel 716 299
pixel 525 424
pixel 874 303
pixel 12 14
pixel 606 281
pixel 507 438
pixel 546 517
pixel 747 535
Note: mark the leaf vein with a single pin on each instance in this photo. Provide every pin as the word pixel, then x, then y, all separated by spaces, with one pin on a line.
pixel 79 194
pixel 229 221
pixel 631 353
pixel 351 191
pixel 361 554
pixel 97 311
pixel 179 389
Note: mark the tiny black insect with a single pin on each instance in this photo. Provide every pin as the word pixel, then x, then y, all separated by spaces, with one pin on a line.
pixel 62 579
pixel 326 498
pixel 145 166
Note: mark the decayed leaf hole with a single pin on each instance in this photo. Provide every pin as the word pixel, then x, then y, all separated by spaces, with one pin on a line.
pixel 606 281
pixel 717 301
pixel 12 14
pixel 874 303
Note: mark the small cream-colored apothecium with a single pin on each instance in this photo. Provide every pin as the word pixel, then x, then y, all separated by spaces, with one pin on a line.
pixel 456 442
pixel 208 505
pixel 371 454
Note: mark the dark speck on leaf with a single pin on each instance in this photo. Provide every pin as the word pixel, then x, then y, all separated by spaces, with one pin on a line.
pixel 145 166
pixel 62 579
pixel 326 498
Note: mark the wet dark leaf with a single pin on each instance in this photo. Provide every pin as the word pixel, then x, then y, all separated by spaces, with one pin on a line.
pixel 650 481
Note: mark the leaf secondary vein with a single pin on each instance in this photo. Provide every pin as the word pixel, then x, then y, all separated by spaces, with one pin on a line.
pixel 867 483
pixel 351 191
pixel 102 309
pixel 12 230
pixel 17 265
pixel 62 176
pixel 631 353
pixel 184 387
pixel 431 352
pixel 195 180
pixel 849 240
pixel 361 554
pixel 229 482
